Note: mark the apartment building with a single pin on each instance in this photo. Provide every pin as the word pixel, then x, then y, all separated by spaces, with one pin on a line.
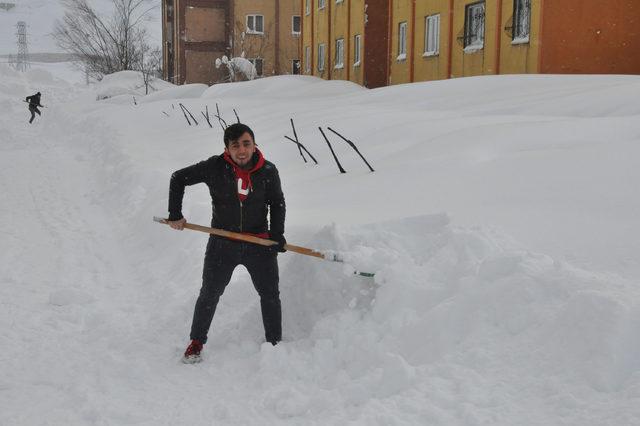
pixel 197 32
pixel 384 42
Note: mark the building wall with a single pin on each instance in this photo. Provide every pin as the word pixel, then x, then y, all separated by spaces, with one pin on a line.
pixel 340 29
pixel 356 26
pixel 307 37
pixel 433 67
pixel 204 37
pixel 377 44
pixel 566 36
pixel 465 63
pixel 591 36
pixel 168 40
pixel 289 46
pixel 519 58
pixel 399 68
pixel 322 34
pixel 195 31
pixel 256 45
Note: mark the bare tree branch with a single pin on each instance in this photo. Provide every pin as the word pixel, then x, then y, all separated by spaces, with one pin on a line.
pixel 107 45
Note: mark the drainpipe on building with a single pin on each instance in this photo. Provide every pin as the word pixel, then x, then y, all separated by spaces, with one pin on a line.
pixel 450 50
pixel 347 56
pixel 498 35
pixel 329 42
pixel 540 37
pixel 389 36
pixel 413 41
pixel 277 41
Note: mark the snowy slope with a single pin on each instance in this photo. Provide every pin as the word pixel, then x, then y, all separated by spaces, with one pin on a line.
pixel 501 223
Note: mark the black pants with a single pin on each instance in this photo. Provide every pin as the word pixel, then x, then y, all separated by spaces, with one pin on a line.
pixel 34 110
pixel 221 258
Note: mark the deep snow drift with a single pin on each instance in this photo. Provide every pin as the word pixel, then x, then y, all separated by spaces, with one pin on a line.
pixel 501 223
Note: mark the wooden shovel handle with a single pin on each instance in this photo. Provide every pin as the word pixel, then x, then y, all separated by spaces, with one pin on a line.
pixel 243 237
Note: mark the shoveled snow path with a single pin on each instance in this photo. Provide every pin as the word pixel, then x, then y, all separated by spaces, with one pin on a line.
pixel 462 326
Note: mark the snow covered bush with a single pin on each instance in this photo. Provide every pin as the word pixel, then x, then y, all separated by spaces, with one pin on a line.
pixel 238 68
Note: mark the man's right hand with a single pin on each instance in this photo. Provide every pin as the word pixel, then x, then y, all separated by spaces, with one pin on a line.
pixel 177 224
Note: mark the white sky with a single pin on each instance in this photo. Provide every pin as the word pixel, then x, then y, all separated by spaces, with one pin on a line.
pixel 40 16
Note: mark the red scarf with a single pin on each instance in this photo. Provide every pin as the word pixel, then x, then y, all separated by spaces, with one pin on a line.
pixel 243 178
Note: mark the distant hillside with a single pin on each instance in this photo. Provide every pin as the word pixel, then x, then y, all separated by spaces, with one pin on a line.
pixel 44 57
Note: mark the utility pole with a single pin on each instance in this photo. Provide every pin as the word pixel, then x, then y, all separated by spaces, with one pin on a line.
pixel 22 61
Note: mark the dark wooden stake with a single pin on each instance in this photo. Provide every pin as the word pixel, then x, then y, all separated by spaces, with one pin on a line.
pixel 334 154
pixel 303 147
pixel 206 116
pixel 185 115
pixel 184 108
pixel 295 135
pixel 223 123
pixel 354 147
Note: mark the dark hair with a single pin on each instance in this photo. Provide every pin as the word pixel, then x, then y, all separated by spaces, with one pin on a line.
pixel 234 131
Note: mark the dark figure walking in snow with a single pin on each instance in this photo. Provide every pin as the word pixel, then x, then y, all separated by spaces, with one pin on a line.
pixel 34 103
pixel 245 189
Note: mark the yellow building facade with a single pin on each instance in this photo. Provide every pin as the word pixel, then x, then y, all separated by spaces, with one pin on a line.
pixel 332 43
pixel 432 64
pixel 273 41
pixel 403 41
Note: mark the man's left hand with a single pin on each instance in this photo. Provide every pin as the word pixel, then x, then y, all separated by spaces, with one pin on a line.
pixel 279 238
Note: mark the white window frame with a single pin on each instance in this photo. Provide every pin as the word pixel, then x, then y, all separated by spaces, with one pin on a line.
pixel 402 41
pixel 474 27
pixel 322 50
pixel 293 26
pixel 357 39
pixel 339 59
pixel 322 4
pixel 253 61
pixel 307 7
pixel 432 35
pixel 307 59
pixel 521 30
pixel 254 20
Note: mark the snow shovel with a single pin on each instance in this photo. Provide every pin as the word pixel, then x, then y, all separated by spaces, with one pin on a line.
pixel 39 106
pixel 263 242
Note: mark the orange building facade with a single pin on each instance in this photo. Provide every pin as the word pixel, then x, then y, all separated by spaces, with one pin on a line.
pixel 404 41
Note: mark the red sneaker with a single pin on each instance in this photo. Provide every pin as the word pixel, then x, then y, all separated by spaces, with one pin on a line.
pixel 192 354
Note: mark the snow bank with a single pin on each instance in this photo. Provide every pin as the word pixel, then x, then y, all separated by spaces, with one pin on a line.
pixel 468 297
pixel 477 315
pixel 177 92
pixel 125 84
pixel 530 94
pixel 283 87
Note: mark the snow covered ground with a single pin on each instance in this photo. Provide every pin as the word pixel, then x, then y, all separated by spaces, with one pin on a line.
pixel 501 223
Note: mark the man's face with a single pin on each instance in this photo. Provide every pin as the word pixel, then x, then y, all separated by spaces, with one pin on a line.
pixel 241 150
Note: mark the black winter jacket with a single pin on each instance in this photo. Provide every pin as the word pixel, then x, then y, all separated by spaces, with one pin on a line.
pixel 34 100
pixel 227 211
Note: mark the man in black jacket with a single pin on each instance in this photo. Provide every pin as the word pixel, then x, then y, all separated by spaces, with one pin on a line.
pixel 34 103
pixel 244 187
